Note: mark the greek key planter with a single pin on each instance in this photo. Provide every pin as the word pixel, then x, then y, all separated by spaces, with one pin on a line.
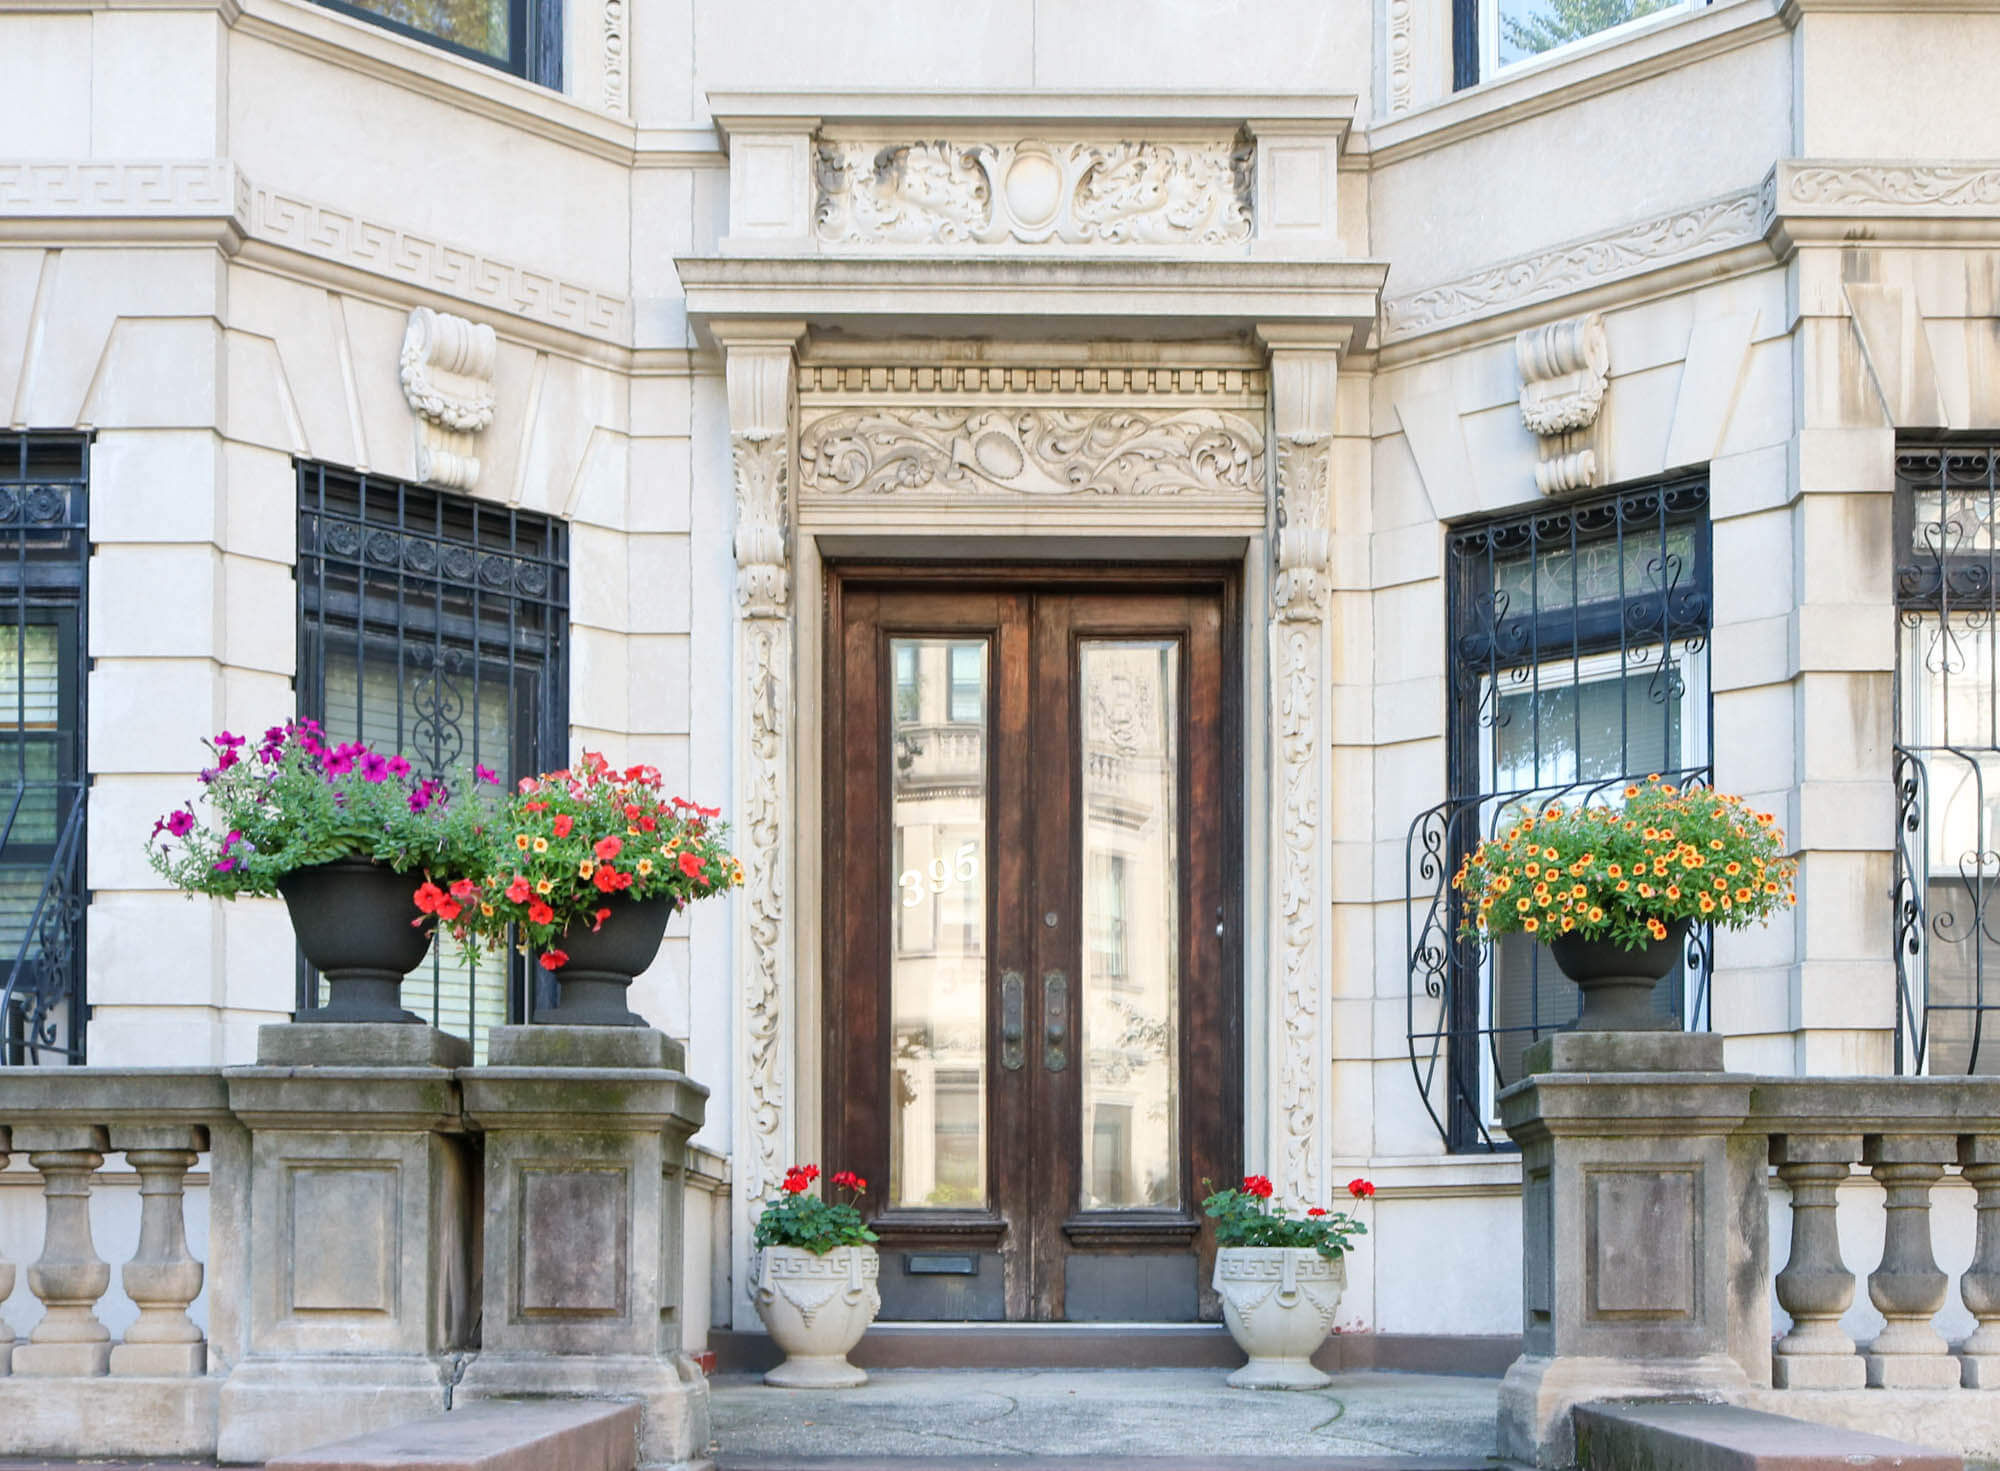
pixel 1279 1303
pixel 816 1308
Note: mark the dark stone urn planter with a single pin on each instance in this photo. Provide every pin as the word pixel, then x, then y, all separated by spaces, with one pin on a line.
pixel 602 964
pixel 353 919
pixel 1617 983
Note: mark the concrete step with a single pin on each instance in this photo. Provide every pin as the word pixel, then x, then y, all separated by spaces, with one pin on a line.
pixel 1692 1437
pixel 541 1435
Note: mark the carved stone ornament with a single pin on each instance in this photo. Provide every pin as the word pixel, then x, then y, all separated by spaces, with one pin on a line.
pixel 954 451
pixel 1304 542
pixel 1565 370
pixel 1034 193
pixel 448 379
pixel 763 580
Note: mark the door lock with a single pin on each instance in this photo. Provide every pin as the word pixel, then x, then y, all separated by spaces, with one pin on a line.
pixel 1055 1021
pixel 1013 1021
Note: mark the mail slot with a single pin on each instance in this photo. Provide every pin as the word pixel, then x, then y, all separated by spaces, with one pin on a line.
pixel 939 1264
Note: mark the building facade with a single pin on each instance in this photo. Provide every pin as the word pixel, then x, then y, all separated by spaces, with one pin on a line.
pixel 1112 498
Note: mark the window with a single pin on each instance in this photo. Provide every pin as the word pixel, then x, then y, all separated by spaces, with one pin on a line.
pixel 520 36
pixel 1947 757
pixel 44 563
pixel 1578 639
pixel 1492 36
pixel 1107 914
pixel 435 625
pixel 968 683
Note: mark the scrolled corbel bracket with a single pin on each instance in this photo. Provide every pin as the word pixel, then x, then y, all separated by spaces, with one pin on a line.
pixel 447 374
pixel 1565 372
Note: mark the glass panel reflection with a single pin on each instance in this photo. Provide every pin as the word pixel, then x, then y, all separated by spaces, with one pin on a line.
pixel 1131 923
pixel 938 698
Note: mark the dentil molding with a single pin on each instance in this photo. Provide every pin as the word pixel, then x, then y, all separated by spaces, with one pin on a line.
pixel 953 450
pixel 1089 193
pixel 1565 370
pixel 447 376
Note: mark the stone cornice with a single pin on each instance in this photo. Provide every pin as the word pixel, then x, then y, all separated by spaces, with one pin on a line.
pixel 1882 201
pixel 1056 296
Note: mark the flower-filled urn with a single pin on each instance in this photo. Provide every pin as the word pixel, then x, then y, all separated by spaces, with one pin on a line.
pixel 1280 1278
pixel 814 1280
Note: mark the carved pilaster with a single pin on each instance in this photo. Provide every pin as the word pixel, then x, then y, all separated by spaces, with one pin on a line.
pixel 1303 378
pixel 760 368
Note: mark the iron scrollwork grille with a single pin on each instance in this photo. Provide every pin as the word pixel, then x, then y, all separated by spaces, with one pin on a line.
pixel 1577 663
pixel 1947 755
pixel 44 565
pixel 435 625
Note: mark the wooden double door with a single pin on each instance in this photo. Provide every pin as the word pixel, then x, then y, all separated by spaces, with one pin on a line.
pixel 1033 1031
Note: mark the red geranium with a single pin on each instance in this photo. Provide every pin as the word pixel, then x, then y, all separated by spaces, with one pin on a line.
pixel 1360 1189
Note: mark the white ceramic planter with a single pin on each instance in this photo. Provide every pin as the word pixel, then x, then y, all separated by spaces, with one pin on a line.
pixel 1279 1303
pixel 816 1308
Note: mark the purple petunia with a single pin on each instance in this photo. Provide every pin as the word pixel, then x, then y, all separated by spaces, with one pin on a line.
pixel 374 768
pixel 487 774
pixel 339 761
pixel 398 766
pixel 180 823
pixel 228 742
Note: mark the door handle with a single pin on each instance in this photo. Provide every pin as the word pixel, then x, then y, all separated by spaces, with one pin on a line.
pixel 1055 1021
pixel 1013 1020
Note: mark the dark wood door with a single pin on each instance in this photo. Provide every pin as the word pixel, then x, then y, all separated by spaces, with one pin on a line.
pixel 1033 1031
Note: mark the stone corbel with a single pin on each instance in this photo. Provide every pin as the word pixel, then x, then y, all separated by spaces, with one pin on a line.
pixel 448 379
pixel 1565 370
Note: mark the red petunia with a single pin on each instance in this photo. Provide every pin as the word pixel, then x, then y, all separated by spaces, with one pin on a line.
pixel 450 910
pixel 540 913
pixel 563 824
pixel 690 865
pixel 606 878
pixel 462 889
pixel 597 920
pixel 554 959
pixel 520 889
pixel 608 848
pixel 429 896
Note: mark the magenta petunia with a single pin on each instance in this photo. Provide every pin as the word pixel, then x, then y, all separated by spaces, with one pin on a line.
pixel 180 823
pixel 487 774
pixel 374 768
pixel 228 742
pixel 398 766
pixel 338 762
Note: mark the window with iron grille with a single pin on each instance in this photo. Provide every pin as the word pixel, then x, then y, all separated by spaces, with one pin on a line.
pixel 1947 755
pixel 524 37
pixel 44 564
pixel 1578 663
pixel 435 625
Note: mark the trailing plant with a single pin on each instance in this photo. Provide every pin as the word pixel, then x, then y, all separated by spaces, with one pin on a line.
pixel 810 1222
pixel 1627 872
pixel 293 801
pixel 1247 1216
pixel 569 845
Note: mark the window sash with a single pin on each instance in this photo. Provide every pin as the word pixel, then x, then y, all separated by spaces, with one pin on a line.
pixel 534 49
pixel 1493 37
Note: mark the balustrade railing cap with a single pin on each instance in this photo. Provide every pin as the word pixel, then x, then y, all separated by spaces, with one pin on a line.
pixel 624 1099
pixel 113 1096
pixel 1626 1103
pixel 1875 1105
pixel 346 1098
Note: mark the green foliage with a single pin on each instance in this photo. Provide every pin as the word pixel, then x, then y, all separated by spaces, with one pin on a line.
pixel 1558 22
pixel 1626 872
pixel 810 1223
pixel 1246 1216
pixel 293 802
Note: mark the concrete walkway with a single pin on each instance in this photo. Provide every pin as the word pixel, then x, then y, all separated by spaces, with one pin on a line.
pixel 1006 1418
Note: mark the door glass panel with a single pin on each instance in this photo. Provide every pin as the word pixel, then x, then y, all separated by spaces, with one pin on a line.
pixel 938 702
pixel 1130 995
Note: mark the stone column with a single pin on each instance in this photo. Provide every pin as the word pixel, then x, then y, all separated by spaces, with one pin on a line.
pixel 1979 1355
pixel 1908 1289
pixel 1305 367
pixel 163 1277
pixel 586 1139
pixel 69 1277
pixel 1638 1211
pixel 1815 1288
pixel 760 367
pixel 360 1275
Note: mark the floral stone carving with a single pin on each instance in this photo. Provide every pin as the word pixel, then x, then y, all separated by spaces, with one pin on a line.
pixel 448 380
pixel 1565 370
pixel 1034 193
pixel 1031 451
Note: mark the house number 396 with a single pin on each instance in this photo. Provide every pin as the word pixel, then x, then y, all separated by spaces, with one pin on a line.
pixel 962 868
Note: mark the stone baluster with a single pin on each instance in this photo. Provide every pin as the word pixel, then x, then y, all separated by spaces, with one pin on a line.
pixel 6 1274
pixel 1815 1288
pixel 1979 1355
pixel 69 1277
pixel 163 1276
pixel 1908 1288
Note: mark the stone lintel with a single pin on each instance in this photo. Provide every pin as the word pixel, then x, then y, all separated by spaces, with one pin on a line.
pixel 584 1047
pixel 1626 1052
pixel 1733 1438
pixel 345 1098
pixel 360 1045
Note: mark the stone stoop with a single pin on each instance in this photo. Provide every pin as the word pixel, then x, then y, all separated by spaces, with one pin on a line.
pixel 1099 1463
pixel 1715 1437
pixel 493 1436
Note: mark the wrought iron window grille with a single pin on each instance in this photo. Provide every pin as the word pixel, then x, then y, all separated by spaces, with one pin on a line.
pixel 1577 644
pixel 44 569
pixel 436 625
pixel 1947 754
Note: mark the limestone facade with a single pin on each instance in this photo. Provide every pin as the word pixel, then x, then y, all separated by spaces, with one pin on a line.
pixel 742 298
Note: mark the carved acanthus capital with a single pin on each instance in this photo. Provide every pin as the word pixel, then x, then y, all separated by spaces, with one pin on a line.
pixel 759 369
pixel 447 374
pixel 1565 371
pixel 1305 542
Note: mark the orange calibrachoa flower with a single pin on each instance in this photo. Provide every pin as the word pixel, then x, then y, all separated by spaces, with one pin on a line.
pixel 1606 854
pixel 565 848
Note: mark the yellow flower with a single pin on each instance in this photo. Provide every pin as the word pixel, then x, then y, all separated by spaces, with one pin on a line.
pixel 521 841
pixel 541 845
pixel 585 869
pixel 1732 867
pixel 1522 904
pixel 1614 870
pixel 1715 843
pixel 486 909
pixel 1706 904
pixel 1745 895
pixel 1577 891
pixel 1596 914
pixel 1531 924
pixel 1624 884
pixel 645 868
pixel 1673 891
pixel 1568 924
pixel 545 887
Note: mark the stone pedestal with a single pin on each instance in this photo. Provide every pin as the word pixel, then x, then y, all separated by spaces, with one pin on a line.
pixel 586 1131
pixel 1639 1210
pixel 362 1231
